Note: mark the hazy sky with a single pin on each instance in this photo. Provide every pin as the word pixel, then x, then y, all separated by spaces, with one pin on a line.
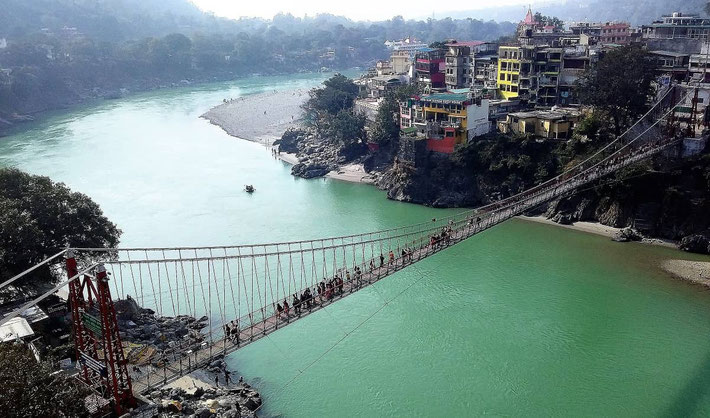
pixel 357 9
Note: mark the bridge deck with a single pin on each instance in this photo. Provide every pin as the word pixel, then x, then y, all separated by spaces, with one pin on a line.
pixel 198 357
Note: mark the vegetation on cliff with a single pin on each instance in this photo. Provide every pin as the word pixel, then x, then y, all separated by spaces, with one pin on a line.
pixel 32 389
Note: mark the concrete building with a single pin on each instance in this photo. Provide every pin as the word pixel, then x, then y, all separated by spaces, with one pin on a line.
pixel 400 62
pixel 615 33
pixel 699 64
pixel 677 26
pixel 444 120
pixel 430 66
pixel 575 61
pixel 367 107
pixel 673 64
pixel 458 66
pixel 408 44
pixel 545 124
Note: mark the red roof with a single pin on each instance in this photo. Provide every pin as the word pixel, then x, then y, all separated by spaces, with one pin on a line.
pixel 529 18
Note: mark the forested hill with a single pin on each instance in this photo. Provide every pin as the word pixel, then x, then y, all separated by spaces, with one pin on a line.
pixel 637 12
pixel 109 20
pixel 55 53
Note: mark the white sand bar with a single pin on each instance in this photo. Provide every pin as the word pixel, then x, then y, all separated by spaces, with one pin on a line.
pixel 260 117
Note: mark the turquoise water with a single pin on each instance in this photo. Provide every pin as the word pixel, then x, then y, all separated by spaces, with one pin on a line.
pixel 524 319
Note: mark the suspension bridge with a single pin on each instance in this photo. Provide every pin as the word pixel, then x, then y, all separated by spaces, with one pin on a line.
pixel 257 289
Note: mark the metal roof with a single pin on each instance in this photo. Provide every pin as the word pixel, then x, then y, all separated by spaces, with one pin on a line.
pixel 446 97
pixel 17 327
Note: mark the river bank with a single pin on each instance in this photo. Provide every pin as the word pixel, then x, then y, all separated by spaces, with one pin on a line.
pixel 535 300
pixel 264 117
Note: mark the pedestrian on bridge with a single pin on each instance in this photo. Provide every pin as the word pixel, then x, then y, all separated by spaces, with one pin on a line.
pixel 382 260
pixel 279 309
pixel 391 255
pixel 286 308
pixel 296 304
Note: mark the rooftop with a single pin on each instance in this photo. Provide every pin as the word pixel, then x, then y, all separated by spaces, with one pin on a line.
pixel 466 43
pixel 669 53
pixel 547 114
pixel 446 97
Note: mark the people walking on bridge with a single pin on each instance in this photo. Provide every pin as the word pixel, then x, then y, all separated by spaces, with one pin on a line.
pixel 279 309
pixel 382 260
pixel 227 331
pixel 372 264
pixel 296 304
pixel 235 331
pixel 391 255
pixel 286 308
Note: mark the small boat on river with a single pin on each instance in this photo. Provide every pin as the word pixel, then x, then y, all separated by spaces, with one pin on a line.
pixel 249 188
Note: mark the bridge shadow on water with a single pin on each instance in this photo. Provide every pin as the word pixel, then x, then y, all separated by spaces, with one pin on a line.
pixel 689 398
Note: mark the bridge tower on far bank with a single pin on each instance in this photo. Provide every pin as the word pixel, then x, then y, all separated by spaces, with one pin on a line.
pixel 97 342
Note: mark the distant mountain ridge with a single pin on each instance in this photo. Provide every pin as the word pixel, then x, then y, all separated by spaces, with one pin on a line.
pixel 636 12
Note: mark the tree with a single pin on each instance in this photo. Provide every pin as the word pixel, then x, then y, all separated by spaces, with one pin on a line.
pixel 549 20
pixel 386 128
pixel 619 85
pixel 39 218
pixel 346 127
pixel 29 389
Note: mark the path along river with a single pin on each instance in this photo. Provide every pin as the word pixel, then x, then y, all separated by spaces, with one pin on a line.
pixel 525 319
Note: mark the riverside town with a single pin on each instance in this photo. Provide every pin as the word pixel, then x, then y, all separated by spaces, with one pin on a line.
pixel 223 209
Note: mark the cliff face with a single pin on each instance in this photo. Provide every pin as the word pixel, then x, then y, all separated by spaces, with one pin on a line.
pixel 665 199
pixel 480 172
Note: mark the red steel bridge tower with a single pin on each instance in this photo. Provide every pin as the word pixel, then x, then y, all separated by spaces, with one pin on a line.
pixel 97 341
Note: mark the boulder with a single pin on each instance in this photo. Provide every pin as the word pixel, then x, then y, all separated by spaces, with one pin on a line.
pixel 626 235
pixel 203 413
pixel 695 243
pixel 252 404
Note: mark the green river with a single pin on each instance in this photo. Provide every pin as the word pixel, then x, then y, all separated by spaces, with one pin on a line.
pixel 525 319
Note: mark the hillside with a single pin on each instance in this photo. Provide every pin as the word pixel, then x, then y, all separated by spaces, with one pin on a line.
pixel 637 12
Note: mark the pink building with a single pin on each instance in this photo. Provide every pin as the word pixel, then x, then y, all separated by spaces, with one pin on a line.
pixel 615 33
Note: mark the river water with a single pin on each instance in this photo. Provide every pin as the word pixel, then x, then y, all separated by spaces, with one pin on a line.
pixel 524 319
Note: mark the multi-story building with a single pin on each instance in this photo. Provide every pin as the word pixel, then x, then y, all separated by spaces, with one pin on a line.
pixel 409 44
pixel 547 67
pixel 615 33
pixel 515 71
pixel 400 62
pixel 699 64
pixel 575 61
pixel 542 76
pixel 430 65
pixel 458 66
pixel 677 25
pixel 671 64
pixel 592 30
pixel 444 120
pixel 485 71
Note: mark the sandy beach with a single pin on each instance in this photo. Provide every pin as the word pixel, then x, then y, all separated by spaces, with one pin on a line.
pixel 598 229
pixel 261 117
pixel 693 271
pixel 264 117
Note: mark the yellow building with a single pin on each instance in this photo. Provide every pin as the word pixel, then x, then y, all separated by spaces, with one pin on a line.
pixel 509 61
pixel 548 124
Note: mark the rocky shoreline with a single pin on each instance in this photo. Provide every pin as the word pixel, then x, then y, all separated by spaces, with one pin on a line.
pixel 214 391
pixel 606 207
